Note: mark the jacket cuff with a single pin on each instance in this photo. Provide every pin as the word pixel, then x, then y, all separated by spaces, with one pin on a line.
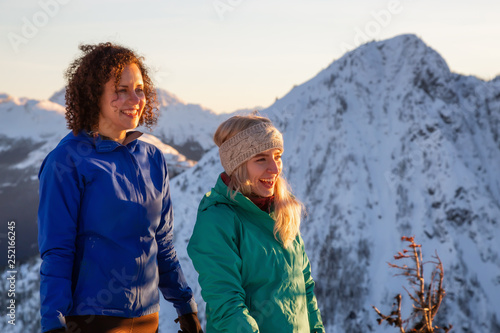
pixel 186 308
pixel 50 325
pixel 315 322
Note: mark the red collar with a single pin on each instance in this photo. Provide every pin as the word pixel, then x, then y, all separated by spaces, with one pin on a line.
pixel 225 178
pixel 265 204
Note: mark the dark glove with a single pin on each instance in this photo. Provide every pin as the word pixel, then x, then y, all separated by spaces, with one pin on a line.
pixel 189 323
pixel 57 330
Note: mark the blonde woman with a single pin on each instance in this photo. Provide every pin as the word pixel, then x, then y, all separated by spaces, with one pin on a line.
pixel 246 245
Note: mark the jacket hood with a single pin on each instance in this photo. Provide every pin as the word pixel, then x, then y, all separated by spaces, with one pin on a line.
pixel 100 144
pixel 219 195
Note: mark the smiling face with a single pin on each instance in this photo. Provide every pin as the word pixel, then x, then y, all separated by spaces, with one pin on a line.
pixel 263 169
pixel 121 107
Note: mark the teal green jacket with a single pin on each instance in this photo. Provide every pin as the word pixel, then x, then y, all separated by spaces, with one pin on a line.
pixel 248 280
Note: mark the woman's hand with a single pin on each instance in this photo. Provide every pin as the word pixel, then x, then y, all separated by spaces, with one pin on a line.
pixel 189 323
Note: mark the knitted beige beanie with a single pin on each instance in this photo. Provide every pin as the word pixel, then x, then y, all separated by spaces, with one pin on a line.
pixel 248 143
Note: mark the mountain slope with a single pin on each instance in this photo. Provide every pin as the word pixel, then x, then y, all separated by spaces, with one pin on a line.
pixel 387 142
pixel 27 133
pixel 184 126
pixel 384 142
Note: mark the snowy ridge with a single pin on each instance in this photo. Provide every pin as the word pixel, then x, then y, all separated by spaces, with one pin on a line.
pixel 29 118
pixel 43 122
pixel 184 126
pixel 176 161
pixel 386 142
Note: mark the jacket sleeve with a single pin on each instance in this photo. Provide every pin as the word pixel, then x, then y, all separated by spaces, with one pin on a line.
pixel 172 283
pixel 214 251
pixel 315 322
pixel 57 226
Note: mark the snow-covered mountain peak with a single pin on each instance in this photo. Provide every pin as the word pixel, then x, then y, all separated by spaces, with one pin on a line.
pixel 4 97
pixel 383 143
pixel 187 127
pixel 400 55
pixel 59 97
pixel 166 98
pixel 175 125
pixel 401 61
pixel 30 118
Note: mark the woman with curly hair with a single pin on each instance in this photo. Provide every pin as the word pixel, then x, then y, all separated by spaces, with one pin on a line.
pixel 246 246
pixel 105 216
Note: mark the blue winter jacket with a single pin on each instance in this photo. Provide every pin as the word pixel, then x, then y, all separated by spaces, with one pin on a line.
pixel 105 232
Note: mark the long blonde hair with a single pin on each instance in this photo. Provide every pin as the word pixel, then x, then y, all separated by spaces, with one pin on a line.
pixel 287 209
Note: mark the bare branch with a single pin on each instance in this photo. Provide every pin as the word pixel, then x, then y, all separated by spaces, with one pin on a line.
pixel 426 299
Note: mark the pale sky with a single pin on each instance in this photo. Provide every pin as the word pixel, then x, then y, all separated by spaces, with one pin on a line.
pixel 233 54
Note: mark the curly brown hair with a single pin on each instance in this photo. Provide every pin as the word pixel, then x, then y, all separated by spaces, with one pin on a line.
pixel 87 76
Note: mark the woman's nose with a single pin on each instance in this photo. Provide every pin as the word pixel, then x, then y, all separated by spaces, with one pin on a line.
pixel 134 98
pixel 272 167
